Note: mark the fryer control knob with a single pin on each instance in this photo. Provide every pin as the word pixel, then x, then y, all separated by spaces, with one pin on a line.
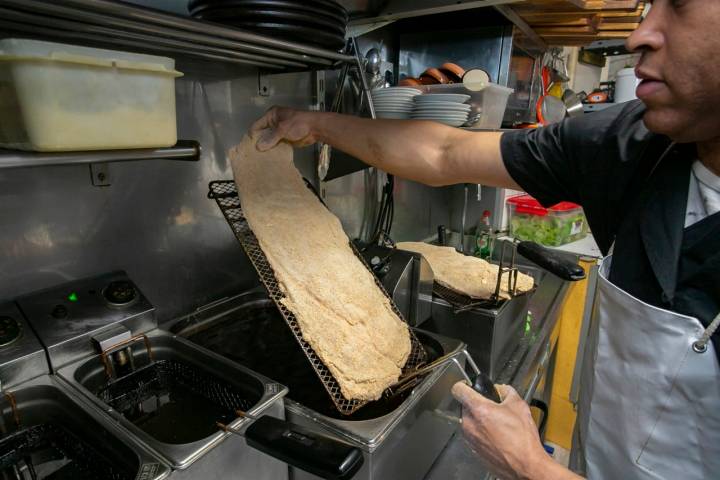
pixel 120 293
pixel 9 330
pixel 59 311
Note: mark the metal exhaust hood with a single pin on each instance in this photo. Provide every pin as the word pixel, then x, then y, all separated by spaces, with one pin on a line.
pixel 374 11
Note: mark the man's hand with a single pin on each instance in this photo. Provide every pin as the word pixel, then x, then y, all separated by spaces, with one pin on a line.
pixel 505 436
pixel 286 124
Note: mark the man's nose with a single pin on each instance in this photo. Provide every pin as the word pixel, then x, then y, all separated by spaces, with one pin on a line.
pixel 650 35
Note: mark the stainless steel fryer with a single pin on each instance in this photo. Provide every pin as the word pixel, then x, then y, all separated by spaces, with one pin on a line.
pixel 400 435
pixel 48 431
pixel 191 407
pixel 51 433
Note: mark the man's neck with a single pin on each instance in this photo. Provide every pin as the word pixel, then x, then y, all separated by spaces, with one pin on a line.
pixel 710 155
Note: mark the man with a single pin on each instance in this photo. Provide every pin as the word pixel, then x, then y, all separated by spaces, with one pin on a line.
pixel 648 175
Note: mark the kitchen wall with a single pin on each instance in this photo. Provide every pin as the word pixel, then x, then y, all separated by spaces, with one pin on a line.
pixel 155 220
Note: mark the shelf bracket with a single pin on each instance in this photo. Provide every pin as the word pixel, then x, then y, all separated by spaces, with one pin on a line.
pixel 184 150
pixel 264 86
pixel 100 174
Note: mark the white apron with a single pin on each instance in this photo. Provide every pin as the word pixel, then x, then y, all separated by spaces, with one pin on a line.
pixel 651 409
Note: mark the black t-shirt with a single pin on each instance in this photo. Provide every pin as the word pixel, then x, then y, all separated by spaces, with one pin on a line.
pixel 599 161
pixel 633 194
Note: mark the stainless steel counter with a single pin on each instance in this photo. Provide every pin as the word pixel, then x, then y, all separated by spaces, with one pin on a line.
pixel 524 370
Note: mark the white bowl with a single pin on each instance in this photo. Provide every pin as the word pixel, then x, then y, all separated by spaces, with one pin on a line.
pixel 455 107
pixel 395 101
pixel 409 95
pixel 442 97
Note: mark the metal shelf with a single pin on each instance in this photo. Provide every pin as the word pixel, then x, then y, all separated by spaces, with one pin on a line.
pixel 184 150
pixel 128 26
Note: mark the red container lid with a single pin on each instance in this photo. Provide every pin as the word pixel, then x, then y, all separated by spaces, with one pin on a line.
pixel 527 204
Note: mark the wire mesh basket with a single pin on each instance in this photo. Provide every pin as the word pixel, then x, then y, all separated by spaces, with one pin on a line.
pixel 226 195
pixel 161 376
pixel 49 449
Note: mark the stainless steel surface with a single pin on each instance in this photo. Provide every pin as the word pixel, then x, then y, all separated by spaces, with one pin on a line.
pixel 373 61
pixel 573 103
pixel 363 79
pixel 126 22
pixel 463 219
pixel 412 284
pixel 492 334
pixel 184 150
pixel 553 110
pixel 100 175
pixel 483 47
pixel 66 327
pixel 399 9
pixel 403 444
pixel 233 459
pixel 111 337
pixel 407 276
pixel 88 372
pixel 47 400
pixel 23 358
pixel 155 221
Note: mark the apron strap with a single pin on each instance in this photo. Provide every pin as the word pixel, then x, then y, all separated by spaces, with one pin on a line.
pixel 700 346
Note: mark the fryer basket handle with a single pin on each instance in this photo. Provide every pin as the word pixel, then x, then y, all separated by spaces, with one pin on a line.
pixel 307 450
pixel 552 261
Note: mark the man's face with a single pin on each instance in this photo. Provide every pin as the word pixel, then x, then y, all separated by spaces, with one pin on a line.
pixel 680 68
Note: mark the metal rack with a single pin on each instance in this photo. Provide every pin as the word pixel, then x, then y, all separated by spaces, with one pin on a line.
pixel 114 23
pixel 183 150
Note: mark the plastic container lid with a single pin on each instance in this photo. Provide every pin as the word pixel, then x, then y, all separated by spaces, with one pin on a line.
pixel 20 49
pixel 527 204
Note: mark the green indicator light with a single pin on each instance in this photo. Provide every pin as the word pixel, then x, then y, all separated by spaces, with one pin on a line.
pixel 528 322
pixel 73 297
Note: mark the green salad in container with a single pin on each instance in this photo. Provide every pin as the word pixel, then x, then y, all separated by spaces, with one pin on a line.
pixel 560 224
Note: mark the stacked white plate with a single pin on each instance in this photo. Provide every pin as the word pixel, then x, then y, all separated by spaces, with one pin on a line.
pixel 394 102
pixel 447 108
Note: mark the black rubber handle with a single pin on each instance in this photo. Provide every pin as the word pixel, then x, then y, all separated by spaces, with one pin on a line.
pixel 485 387
pixel 306 450
pixel 552 261
pixel 542 406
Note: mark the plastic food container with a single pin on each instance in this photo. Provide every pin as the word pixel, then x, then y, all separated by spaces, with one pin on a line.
pixel 560 224
pixel 488 101
pixel 56 97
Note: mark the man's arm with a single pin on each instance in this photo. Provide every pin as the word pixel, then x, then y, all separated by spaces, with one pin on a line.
pixel 422 151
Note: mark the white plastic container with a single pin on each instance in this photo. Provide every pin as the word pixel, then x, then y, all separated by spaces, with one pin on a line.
pixel 488 101
pixel 56 97
pixel 625 85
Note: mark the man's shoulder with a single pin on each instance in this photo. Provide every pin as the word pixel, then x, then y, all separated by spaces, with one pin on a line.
pixel 612 127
